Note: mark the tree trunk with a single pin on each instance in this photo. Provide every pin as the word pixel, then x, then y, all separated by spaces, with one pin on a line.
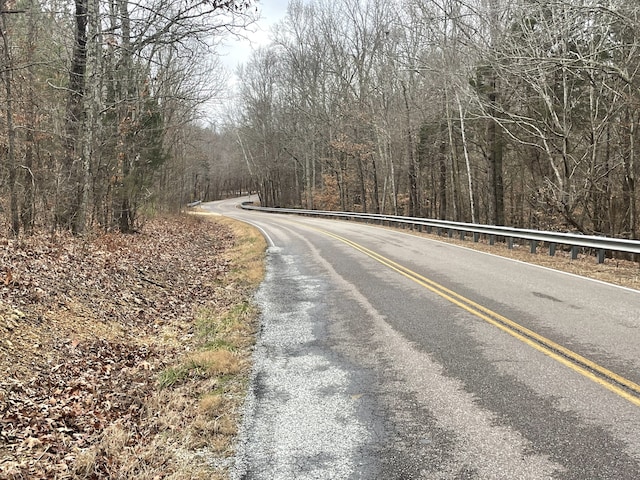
pixel 495 149
pixel 361 182
pixel 472 205
pixel 307 180
pixel 28 207
pixel 70 194
pixel 414 202
pixel 629 183
pixel 442 179
pixel 7 77
pixel 376 193
pixel 126 215
pixel 27 214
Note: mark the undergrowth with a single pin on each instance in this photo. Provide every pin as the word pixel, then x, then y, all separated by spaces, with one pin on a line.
pixel 127 356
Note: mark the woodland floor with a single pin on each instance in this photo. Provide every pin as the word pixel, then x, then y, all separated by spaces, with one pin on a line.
pixel 126 356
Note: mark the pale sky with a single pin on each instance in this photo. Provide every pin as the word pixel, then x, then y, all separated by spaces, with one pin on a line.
pixel 239 50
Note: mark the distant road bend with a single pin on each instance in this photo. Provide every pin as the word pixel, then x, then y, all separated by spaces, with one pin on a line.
pixel 384 355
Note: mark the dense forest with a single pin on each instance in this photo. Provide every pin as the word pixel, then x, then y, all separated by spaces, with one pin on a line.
pixel 101 109
pixel 516 112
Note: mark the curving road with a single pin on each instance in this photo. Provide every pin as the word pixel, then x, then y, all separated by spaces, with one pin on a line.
pixel 384 355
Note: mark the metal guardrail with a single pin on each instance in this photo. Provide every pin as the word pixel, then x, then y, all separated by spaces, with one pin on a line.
pixel 493 232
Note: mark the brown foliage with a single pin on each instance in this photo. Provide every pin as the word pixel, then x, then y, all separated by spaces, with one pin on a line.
pixel 328 196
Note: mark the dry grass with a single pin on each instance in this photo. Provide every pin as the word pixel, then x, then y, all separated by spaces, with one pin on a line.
pixel 195 412
pixel 212 404
pixel 216 362
pixel 251 247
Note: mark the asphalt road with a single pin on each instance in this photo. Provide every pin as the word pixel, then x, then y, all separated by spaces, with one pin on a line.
pixel 383 355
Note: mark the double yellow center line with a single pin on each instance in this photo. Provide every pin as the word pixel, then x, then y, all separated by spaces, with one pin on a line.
pixel 608 379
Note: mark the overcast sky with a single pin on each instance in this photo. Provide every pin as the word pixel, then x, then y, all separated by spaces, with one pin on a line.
pixel 238 51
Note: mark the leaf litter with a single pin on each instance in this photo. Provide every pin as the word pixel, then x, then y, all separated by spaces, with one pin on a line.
pixel 86 327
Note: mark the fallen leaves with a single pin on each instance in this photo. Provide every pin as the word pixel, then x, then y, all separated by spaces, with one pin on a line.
pixel 86 325
pixel 97 383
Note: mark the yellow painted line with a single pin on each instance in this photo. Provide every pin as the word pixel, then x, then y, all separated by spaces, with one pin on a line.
pixel 611 381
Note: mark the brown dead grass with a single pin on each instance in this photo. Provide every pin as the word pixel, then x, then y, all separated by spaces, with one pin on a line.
pixel 212 404
pixel 250 247
pixel 217 362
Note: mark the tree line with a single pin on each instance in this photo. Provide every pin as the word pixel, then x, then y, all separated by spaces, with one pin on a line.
pixel 100 103
pixel 518 112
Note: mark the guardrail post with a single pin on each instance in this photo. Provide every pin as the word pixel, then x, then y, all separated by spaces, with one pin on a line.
pixel 601 256
pixel 534 246
pixel 462 235
pixel 429 229
pixel 510 243
pixel 492 239
pixel 552 249
pixel 419 228
pixel 476 237
pixel 574 252
pixel 438 231
pixel 450 233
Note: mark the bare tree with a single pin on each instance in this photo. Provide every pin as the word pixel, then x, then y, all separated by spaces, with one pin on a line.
pixel 10 147
pixel 522 112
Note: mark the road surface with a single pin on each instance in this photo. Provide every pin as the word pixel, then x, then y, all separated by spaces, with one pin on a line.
pixel 384 355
